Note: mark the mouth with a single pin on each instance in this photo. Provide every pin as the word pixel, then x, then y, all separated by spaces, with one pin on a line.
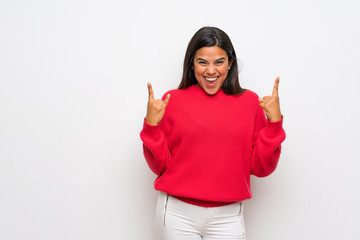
pixel 211 81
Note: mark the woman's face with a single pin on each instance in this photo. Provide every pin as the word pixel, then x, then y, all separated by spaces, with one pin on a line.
pixel 211 66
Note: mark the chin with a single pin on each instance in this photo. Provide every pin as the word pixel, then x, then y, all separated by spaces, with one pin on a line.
pixel 212 91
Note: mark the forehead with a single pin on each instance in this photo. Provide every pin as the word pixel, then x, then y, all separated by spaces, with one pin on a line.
pixel 213 52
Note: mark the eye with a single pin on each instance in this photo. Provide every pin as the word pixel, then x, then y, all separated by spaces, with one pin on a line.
pixel 219 62
pixel 202 62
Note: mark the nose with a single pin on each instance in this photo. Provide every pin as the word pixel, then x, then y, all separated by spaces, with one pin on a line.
pixel 211 70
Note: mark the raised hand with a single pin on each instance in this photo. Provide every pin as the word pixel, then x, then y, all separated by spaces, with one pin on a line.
pixel 155 108
pixel 271 104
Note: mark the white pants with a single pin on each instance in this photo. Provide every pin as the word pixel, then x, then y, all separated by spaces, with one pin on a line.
pixel 177 220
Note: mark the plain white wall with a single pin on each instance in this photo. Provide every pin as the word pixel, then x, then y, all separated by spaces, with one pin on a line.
pixel 73 97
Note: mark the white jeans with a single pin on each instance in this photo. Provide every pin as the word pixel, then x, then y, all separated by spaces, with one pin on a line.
pixel 177 220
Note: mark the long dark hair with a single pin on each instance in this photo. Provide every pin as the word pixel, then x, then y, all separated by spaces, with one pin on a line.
pixel 208 37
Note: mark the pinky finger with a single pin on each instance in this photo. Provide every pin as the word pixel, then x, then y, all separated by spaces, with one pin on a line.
pixel 166 101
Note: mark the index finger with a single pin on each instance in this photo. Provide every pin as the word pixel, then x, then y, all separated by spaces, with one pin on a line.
pixel 276 87
pixel 151 92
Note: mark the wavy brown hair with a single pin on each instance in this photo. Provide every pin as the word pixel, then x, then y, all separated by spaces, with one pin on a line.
pixel 208 37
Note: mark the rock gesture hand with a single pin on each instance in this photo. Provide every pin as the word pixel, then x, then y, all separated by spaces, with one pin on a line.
pixel 155 108
pixel 271 104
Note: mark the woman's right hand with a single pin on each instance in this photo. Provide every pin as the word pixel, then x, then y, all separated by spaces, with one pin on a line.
pixel 155 108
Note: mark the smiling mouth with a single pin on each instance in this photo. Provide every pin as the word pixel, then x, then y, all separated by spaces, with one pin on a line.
pixel 213 79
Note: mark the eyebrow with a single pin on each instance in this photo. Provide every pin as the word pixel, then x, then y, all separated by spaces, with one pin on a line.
pixel 201 59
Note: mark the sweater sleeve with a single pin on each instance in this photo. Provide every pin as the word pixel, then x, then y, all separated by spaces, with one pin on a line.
pixel 155 147
pixel 266 147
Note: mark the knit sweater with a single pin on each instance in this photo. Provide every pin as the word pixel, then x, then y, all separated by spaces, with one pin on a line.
pixel 206 146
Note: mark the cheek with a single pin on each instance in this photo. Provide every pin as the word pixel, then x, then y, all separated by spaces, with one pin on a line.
pixel 224 72
pixel 198 72
pixel 198 69
pixel 225 69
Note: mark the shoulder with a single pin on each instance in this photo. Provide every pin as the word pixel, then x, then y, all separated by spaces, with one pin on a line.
pixel 172 92
pixel 249 96
pixel 179 93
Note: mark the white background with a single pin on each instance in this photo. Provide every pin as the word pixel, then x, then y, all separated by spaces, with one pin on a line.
pixel 73 97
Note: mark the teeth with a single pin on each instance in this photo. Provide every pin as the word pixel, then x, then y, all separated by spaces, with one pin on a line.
pixel 211 79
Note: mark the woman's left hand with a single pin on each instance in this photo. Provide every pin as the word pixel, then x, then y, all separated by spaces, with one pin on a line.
pixel 271 104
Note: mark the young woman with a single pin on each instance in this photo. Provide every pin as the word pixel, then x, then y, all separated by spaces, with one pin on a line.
pixel 204 140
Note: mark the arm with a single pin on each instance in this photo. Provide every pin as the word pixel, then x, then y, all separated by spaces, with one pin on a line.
pixel 155 146
pixel 156 151
pixel 266 147
pixel 268 134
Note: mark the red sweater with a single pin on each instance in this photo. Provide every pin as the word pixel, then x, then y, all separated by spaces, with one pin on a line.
pixel 206 147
